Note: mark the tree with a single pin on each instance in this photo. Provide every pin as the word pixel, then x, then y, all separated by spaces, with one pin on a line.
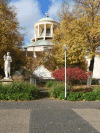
pixel 80 33
pixel 90 12
pixel 56 56
pixel 65 12
pixel 32 63
pixel 11 40
pixel 49 59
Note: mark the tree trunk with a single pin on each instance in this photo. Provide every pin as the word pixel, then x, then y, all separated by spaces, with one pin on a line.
pixel 89 80
pixel 91 65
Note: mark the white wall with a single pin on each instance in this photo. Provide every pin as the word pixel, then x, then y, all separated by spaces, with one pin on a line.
pixel 40 48
pixel 96 70
pixel 30 49
pixel 43 73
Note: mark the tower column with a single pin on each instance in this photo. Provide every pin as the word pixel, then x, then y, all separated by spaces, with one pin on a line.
pixel 35 33
pixel 38 30
pixel 51 29
pixel 44 31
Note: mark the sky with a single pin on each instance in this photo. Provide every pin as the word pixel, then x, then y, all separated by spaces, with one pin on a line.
pixel 31 11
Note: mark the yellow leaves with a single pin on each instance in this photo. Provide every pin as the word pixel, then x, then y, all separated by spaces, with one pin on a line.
pixel 80 57
pixel 78 35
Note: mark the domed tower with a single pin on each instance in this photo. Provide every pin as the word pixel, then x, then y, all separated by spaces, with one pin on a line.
pixel 43 33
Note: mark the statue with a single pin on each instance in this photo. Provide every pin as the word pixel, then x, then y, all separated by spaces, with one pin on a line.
pixel 7 60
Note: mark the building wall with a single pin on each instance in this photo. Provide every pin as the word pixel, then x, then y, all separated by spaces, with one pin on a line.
pixel 40 48
pixel 96 69
pixel 30 49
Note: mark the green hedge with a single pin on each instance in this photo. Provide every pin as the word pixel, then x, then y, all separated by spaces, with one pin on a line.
pixel 57 90
pixel 77 96
pixel 19 91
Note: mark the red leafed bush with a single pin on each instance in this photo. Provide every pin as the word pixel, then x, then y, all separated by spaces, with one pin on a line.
pixel 73 74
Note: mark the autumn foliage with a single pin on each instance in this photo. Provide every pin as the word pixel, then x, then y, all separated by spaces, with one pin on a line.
pixel 73 74
pixel 11 39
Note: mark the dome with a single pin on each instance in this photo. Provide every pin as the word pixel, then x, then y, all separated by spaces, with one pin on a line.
pixel 47 19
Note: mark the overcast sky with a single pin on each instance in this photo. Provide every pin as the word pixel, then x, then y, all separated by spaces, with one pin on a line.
pixel 31 11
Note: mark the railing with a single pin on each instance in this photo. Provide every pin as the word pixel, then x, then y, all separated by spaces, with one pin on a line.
pixel 47 34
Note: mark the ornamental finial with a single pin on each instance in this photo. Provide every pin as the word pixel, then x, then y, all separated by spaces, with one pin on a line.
pixel 47 15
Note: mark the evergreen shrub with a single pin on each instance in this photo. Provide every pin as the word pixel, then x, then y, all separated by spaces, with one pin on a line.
pixel 75 96
pixel 50 83
pixel 56 89
pixel 19 91
pixel 62 95
pixel 91 96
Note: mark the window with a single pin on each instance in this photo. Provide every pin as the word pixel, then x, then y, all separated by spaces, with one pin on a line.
pixel 48 32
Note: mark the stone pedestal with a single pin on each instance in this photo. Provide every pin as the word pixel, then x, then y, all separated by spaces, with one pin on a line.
pixel 6 81
pixel 33 81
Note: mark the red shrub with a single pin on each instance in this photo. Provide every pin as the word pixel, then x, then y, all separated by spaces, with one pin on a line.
pixel 73 74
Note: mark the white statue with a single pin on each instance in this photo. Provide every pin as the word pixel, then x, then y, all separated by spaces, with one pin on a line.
pixel 7 60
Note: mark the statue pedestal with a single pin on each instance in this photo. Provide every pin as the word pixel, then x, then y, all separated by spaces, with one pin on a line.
pixel 6 81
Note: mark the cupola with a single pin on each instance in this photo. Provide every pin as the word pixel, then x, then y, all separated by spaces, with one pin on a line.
pixel 44 28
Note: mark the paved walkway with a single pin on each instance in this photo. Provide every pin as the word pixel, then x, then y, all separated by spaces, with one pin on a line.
pixel 49 116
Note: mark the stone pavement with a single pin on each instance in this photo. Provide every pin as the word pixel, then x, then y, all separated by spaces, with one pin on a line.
pixel 48 115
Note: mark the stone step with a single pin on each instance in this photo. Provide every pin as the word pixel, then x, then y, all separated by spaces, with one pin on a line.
pixel 43 93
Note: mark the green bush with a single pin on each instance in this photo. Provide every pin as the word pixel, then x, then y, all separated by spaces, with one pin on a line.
pixel 50 83
pixel 57 89
pixel 1 96
pixel 62 95
pixel 90 96
pixel 19 91
pixel 75 96
pixel 3 89
pixel 98 95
